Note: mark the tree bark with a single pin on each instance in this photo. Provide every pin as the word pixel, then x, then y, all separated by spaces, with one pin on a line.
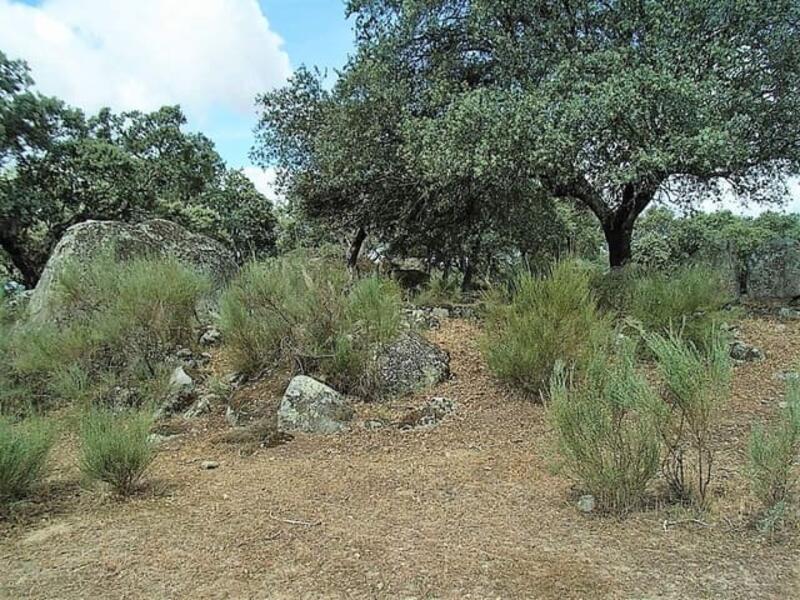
pixel 618 239
pixel 466 282
pixel 355 250
pixel 27 265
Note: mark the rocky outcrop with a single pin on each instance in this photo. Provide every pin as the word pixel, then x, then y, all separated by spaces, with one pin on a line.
pixel 313 407
pixel 410 363
pixel 86 241
pixel 773 271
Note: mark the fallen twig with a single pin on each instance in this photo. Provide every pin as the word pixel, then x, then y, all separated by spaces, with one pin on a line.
pixel 668 524
pixel 294 521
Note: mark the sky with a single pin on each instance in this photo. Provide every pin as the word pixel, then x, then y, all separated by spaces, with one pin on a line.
pixel 210 56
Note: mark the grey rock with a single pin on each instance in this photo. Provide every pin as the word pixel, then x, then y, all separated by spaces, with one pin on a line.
pixel 180 381
pixel 157 439
pixel 207 465
pixel 586 503
pixel 181 394
pixel 429 415
pixel 441 313
pixel 410 363
pixel 211 337
pixel 231 416
pixel 788 376
pixel 313 407
pixel 789 313
pixel 745 352
pixel 773 270
pixel 184 353
pixel 199 408
pixel 85 242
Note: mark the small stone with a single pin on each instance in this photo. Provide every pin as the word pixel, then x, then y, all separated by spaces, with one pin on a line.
pixel 586 503
pixel 783 404
pixel 231 416
pixel 311 406
pixel 201 407
pixel 440 313
pixel 211 337
pixel 745 352
pixel 788 313
pixel 787 376
pixel 207 465
pixel 184 353
pixel 374 424
pixel 157 439
pixel 180 380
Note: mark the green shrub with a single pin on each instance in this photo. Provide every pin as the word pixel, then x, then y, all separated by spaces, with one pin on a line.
pixel 115 447
pixel 689 300
pixel 372 319
pixel 547 319
pixel 605 424
pixel 439 291
pixel 133 312
pixel 24 448
pixel 118 321
pixel 303 311
pixel 697 386
pixel 772 454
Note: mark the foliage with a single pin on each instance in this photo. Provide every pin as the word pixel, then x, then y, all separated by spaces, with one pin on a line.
pixel 58 168
pixel 547 319
pixel 115 448
pixel 118 323
pixel 455 118
pixel 304 311
pixel 24 448
pixel 607 434
pixel 772 454
pixel 689 300
pixel 709 236
pixel 439 290
pixel 697 386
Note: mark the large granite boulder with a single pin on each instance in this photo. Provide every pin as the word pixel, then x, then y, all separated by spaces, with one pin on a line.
pixel 773 271
pixel 86 241
pixel 313 407
pixel 410 363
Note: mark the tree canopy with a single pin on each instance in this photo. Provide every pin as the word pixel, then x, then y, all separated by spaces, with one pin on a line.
pixel 58 167
pixel 463 112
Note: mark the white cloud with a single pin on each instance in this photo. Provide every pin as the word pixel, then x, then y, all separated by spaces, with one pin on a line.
pixel 207 55
pixel 264 180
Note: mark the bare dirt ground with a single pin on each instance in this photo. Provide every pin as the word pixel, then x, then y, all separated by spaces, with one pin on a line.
pixel 468 509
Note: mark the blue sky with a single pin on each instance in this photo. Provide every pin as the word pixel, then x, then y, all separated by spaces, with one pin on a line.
pixel 210 56
pixel 315 33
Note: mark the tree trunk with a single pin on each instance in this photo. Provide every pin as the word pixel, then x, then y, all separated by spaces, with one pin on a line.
pixel 355 250
pixel 466 282
pixel 618 238
pixel 23 262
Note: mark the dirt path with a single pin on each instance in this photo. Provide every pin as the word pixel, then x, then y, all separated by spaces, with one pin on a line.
pixel 469 509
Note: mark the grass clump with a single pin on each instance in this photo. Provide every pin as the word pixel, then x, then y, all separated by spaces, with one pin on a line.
pixel 772 453
pixel 697 385
pixel 606 429
pixel 24 448
pixel 306 312
pixel 439 290
pixel 115 324
pixel 546 319
pixel 115 448
pixel 690 300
